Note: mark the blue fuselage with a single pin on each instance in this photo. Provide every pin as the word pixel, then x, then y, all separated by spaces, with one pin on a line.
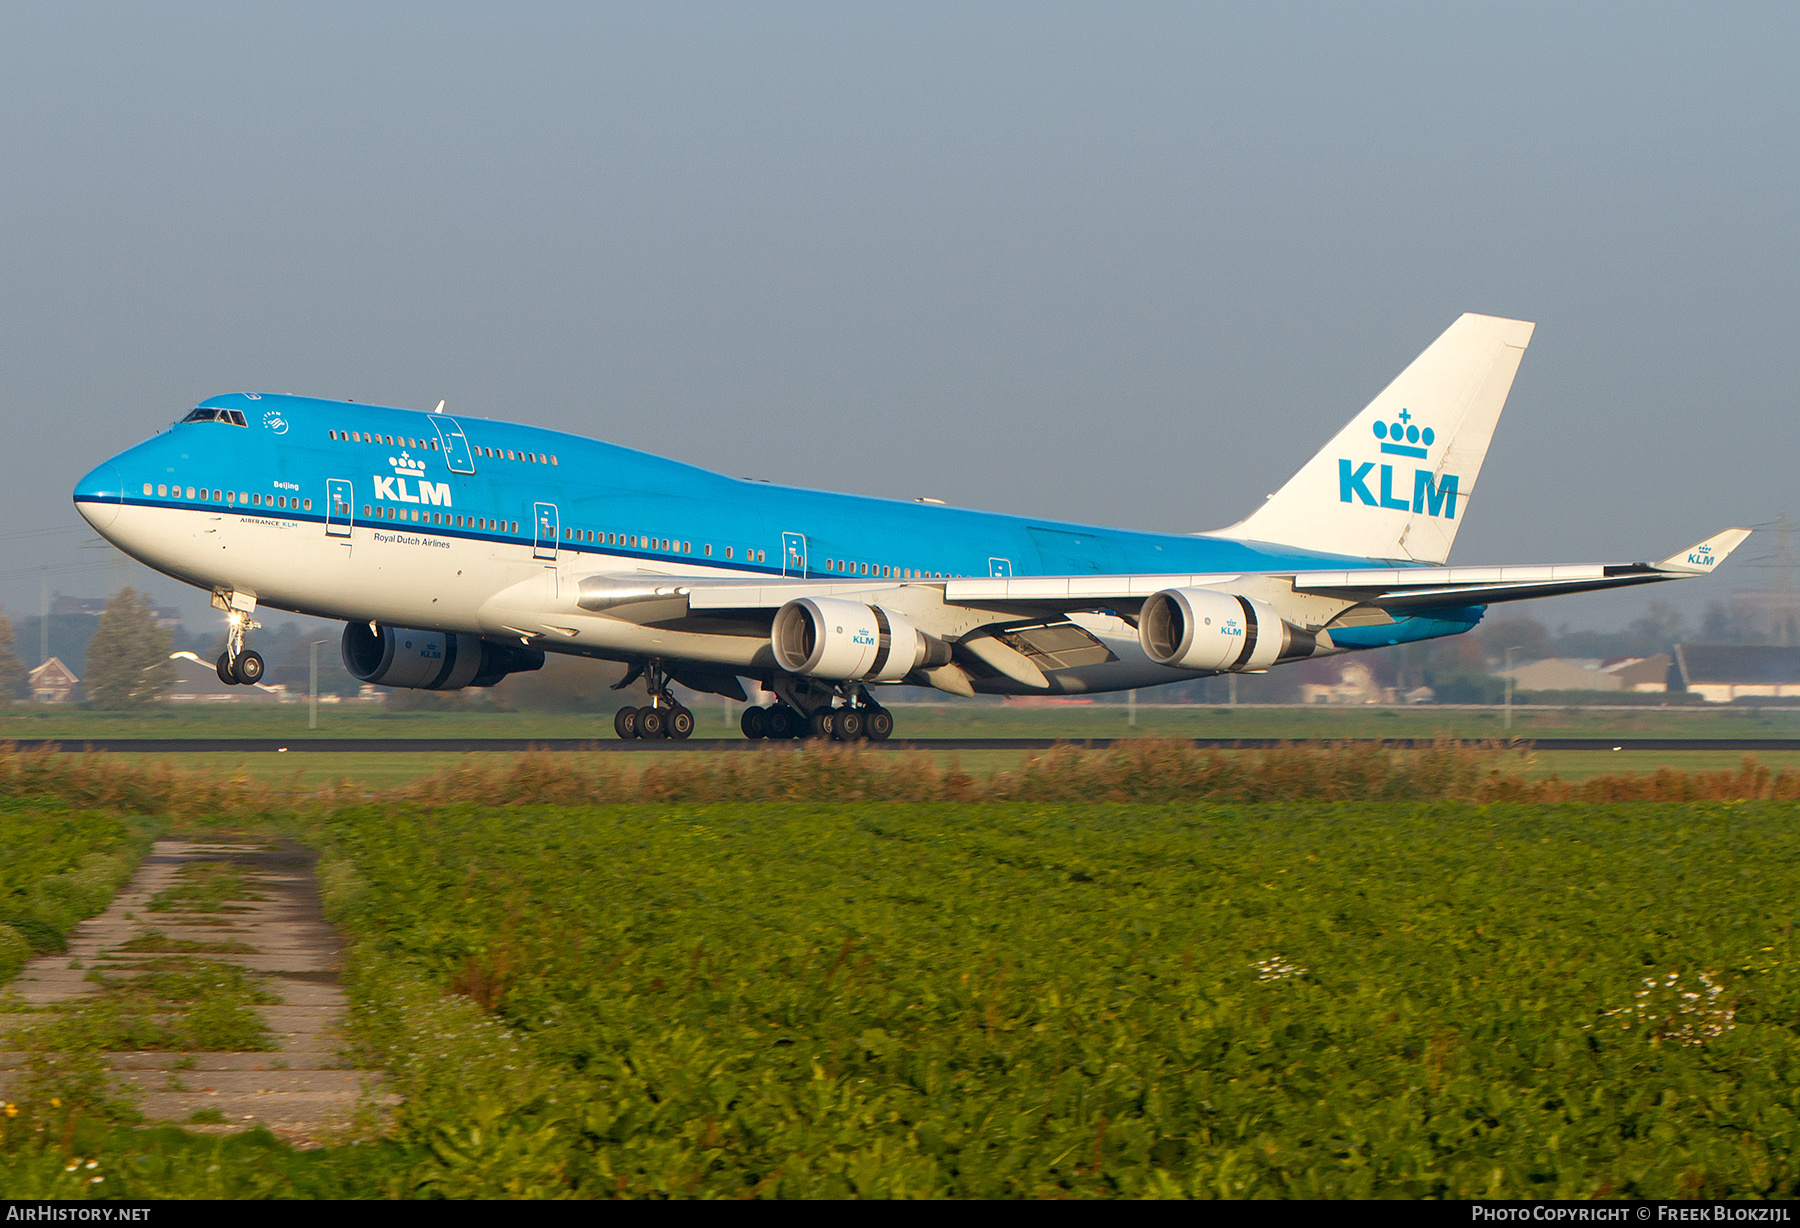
pixel 341 469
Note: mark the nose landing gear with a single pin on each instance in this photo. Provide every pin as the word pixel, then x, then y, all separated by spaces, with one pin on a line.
pixel 238 665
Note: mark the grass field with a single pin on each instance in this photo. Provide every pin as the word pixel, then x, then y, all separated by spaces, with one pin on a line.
pixel 57 866
pixel 379 770
pixel 1016 1000
pixel 1281 998
pixel 953 719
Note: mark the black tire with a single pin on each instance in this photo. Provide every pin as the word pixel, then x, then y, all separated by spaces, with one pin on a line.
pixel 249 668
pixel 681 723
pixel 819 724
pixel 653 723
pixel 225 674
pixel 625 724
pixel 781 722
pixel 878 724
pixel 848 726
pixel 754 723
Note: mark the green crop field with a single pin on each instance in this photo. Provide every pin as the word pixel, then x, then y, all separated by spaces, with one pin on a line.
pixel 794 998
pixel 1015 1000
pixel 57 866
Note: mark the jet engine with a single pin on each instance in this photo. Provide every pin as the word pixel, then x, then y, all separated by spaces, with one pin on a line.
pixel 843 641
pixel 1203 629
pixel 431 660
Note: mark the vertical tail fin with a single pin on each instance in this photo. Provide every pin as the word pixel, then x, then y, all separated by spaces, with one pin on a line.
pixel 1394 484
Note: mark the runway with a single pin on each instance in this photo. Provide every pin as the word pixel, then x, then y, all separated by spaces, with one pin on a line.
pixel 403 746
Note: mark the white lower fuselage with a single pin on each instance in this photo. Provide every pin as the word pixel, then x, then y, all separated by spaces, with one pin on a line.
pixel 408 576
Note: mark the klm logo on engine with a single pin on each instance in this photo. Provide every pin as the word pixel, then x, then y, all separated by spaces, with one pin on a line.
pixel 434 494
pixel 1231 628
pixel 1432 494
pixel 863 636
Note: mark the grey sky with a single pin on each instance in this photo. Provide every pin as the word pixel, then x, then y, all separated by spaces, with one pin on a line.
pixel 1113 263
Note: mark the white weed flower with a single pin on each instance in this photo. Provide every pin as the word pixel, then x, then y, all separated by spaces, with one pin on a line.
pixel 1687 1016
pixel 1275 968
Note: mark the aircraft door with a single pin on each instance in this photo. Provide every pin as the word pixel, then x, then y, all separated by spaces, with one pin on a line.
pixel 340 501
pixel 1000 567
pixel 544 540
pixel 457 453
pixel 793 554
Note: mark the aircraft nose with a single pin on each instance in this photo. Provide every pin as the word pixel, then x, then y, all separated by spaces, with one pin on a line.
pixel 99 495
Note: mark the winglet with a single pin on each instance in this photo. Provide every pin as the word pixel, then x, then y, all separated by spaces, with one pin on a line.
pixel 1701 558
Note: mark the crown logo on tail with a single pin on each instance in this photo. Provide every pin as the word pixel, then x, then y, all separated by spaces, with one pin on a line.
pixel 1404 438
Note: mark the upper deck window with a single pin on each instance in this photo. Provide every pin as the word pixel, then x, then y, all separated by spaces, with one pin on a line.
pixel 232 417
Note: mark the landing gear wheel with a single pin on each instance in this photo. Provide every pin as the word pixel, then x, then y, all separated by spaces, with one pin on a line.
pixel 848 726
pixel 249 668
pixel 754 723
pixel 821 723
pixel 652 723
pixel 225 674
pixel 625 724
pixel 782 724
pixel 878 724
pixel 681 723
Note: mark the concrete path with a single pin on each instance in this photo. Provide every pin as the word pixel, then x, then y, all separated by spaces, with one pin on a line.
pixel 305 1091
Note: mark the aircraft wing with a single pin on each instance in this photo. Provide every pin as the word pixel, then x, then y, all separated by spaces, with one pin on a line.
pixel 1392 589
pixel 1016 627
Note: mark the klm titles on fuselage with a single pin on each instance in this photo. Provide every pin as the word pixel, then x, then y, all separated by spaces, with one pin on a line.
pixel 433 494
pixel 1432 494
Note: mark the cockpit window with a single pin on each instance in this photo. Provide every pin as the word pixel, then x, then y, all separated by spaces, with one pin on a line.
pixel 233 417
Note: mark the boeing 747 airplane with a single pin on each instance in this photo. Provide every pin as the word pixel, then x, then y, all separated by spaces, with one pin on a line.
pixel 459 550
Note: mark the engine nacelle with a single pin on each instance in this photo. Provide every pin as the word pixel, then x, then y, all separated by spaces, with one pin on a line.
pixel 843 641
pixel 1203 629
pixel 431 660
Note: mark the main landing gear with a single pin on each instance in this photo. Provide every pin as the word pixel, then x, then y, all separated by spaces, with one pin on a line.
pixel 663 717
pixel 807 712
pixel 239 666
